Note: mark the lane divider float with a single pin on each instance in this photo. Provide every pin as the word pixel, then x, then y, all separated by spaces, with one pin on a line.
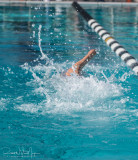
pixel 110 41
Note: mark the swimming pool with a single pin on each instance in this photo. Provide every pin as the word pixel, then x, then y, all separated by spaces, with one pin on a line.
pixel 46 116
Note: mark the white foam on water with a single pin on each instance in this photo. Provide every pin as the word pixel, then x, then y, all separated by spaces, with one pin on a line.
pixel 3 103
pixel 65 95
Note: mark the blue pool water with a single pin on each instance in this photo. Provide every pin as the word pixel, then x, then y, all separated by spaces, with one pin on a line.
pixel 46 116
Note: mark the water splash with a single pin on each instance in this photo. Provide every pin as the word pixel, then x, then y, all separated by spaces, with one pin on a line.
pixel 66 95
pixel 39 42
pixel 43 55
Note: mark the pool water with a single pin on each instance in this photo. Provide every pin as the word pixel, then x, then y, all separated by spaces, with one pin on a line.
pixel 44 115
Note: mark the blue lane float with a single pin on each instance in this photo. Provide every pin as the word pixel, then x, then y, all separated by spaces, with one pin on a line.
pixel 110 41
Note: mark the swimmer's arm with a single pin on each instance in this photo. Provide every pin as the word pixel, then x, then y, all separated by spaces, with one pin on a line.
pixel 77 67
pixel 86 59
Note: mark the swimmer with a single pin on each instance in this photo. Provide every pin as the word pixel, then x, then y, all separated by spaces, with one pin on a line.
pixel 77 67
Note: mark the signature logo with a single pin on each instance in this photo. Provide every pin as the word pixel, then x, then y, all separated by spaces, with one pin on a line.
pixel 21 152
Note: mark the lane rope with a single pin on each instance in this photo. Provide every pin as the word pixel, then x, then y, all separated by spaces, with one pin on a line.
pixel 109 40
